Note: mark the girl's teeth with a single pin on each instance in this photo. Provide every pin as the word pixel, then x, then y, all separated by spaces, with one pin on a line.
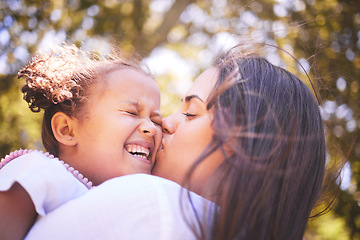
pixel 136 149
pixel 139 155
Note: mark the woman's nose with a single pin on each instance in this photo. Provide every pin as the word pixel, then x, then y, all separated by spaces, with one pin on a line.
pixel 169 124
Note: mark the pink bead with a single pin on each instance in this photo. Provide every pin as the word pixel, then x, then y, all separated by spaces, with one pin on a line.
pixel 16 154
pixel 21 152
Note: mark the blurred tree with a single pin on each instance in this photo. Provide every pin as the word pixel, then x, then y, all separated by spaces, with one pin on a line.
pixel 331 37
pixel 324 35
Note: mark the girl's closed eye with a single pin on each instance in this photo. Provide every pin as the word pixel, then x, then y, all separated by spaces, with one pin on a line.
pixel 157 121
pixel 130 112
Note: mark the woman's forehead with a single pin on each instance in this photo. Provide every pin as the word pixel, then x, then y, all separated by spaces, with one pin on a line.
pixel 204 84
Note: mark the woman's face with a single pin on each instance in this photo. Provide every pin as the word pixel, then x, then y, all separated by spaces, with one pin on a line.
pixel 186 134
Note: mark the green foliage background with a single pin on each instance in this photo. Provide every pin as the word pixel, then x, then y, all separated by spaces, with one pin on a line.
pixel 323 34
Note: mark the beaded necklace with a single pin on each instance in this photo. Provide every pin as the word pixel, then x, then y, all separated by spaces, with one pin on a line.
pixel 72 170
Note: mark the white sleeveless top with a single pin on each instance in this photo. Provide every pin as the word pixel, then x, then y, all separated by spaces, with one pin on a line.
pixel 46 180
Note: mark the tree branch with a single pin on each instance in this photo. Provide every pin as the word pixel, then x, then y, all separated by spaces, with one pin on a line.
pixel 160 34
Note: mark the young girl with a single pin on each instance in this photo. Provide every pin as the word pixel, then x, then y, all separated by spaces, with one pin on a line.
pixel 101 118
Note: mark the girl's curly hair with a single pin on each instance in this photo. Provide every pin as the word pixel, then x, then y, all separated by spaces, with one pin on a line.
pixel 59 82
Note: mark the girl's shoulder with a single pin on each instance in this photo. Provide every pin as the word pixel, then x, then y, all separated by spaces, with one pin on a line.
pixel 27 159
pixel 21 163
pixel 43 177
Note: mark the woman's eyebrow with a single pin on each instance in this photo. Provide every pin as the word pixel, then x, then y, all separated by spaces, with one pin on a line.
pixel 188 98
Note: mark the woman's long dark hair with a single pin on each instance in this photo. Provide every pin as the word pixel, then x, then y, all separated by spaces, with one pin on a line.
pixel 269 119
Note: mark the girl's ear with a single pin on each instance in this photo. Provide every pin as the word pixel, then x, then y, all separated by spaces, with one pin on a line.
pixel 63 128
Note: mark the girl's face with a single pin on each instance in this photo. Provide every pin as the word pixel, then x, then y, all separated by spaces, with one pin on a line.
pixel 120 132
pixel 186 134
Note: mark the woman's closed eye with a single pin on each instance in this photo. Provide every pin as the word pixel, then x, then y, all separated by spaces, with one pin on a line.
pixel 193 107
pixel 189 115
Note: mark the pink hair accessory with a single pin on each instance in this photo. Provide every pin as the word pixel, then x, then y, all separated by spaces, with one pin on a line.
pixel 75 173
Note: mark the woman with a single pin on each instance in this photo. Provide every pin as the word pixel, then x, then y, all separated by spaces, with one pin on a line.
pixel 248 142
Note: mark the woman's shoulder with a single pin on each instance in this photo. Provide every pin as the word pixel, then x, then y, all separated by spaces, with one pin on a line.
pixel 147 185
pixel 169 201
pixel 134 188
pixel 137 206
pixel 141 180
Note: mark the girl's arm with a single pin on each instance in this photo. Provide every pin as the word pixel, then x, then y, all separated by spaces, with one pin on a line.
pixel 17 213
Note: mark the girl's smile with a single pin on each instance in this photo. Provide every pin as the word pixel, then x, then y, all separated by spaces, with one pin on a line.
pixel 120 130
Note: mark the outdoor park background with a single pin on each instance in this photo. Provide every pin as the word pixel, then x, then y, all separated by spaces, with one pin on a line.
pixel 178 39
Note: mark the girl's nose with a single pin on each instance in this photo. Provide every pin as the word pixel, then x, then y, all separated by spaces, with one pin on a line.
pixel 148 128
